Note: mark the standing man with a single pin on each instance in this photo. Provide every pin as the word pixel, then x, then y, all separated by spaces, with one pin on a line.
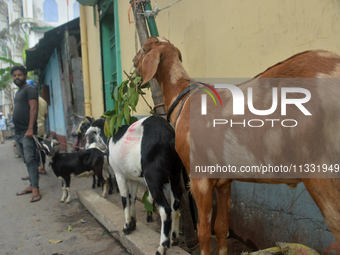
pixel 42 115
pixel 2 128
pixel 25 124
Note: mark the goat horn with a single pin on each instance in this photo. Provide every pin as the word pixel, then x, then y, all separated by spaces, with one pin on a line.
pixel 90 119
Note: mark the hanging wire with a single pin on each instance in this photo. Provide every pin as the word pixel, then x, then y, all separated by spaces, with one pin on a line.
pixel 156 10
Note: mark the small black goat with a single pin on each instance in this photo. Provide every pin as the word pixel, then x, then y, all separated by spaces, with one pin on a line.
pixel 83 163
pixel 145 151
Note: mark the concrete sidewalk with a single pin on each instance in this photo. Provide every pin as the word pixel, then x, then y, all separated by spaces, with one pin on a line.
pixel 143 241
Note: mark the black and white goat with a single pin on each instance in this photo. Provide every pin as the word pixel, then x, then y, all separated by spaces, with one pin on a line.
pixel 145 151
pixel 81 164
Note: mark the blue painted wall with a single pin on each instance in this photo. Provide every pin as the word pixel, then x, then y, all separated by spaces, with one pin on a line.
pixel 50 8
pixel 56 109
pixel 268 213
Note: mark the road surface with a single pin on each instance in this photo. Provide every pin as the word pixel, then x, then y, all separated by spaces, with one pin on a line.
pixel 26 228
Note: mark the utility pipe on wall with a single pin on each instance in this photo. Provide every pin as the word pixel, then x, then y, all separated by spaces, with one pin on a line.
pixel 85 61
pixel 151 21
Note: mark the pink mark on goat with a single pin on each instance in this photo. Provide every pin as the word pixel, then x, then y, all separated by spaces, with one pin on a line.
pixel 133 124
pixel 131 128
pixel 130 138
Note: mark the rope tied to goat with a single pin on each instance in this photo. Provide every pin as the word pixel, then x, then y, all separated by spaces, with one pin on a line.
pixel 40 146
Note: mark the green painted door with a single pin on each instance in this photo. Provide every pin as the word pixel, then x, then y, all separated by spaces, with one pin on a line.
pixel 109 56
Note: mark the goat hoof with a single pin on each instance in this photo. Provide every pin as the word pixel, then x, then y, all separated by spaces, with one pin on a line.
pixel 149 218
pixel 175 242
pixel 130 227
pixel 161 250
pixel 128 231
pixel 174 239
pixel 93 186
pixel 110 192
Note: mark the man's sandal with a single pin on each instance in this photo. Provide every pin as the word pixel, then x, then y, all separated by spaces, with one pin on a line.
pixel 24 192
pixel 35 200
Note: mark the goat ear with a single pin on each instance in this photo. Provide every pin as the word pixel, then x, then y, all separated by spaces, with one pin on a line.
pixel 56 143
pixel 150 65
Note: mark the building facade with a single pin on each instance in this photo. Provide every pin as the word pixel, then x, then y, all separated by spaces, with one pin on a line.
pixel 22 24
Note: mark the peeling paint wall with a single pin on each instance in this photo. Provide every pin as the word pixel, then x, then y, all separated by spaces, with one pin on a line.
pixel 269 213
pixel 56 109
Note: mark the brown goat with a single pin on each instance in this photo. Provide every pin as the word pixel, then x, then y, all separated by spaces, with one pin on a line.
pixel 308 142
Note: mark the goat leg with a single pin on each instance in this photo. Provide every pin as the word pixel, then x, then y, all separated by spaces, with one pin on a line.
pixel 68 199
pixel 124 193
pixel 165 213
pixel 203 193
pixel 175 194
pixel 63 197
pixel 67 194
pixel 94 182
pixel 105 189
pixel 63 188
pixel 110 185
pixel 223 197
pixel 133 196
pixel 105 177
pixel 326 193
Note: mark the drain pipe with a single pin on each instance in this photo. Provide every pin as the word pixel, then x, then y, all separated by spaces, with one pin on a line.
pixel 85 61
pixel 151 21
